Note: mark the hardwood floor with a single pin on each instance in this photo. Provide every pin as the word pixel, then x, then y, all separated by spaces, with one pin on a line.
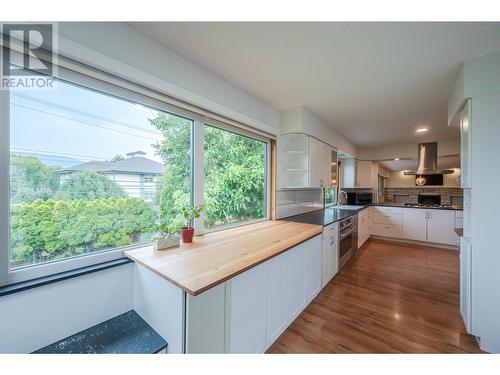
pixel 391 298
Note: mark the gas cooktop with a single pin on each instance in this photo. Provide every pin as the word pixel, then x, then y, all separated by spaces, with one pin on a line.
pixel 427 205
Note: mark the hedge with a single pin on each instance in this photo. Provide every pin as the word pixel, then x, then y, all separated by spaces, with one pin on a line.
pixel 50 229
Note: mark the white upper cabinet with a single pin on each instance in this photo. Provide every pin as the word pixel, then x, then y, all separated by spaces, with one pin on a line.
pixel 441 227
pixel 293 161
pixel 320 159
pixel 303 162
pixel 357 174
pixel 364 174
pixel 465 146
pixel 348 170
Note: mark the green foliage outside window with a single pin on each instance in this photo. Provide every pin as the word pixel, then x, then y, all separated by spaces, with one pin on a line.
pixel 234 177
pixel 88 185
pixel 49 229
pixel 89 212
pixel 31 179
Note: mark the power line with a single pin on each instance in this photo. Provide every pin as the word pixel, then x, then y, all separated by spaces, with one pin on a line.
pixel 83 122
pixel 69 109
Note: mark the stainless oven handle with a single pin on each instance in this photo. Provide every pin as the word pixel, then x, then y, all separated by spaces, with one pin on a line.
pixel 344 235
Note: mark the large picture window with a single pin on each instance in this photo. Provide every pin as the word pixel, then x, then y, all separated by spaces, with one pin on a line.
pixel 91 172
pixel 96 168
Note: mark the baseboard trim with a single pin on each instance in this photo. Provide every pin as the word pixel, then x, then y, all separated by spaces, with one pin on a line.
pixel 413 242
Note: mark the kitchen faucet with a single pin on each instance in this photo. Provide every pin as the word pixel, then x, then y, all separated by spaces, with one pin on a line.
pixel 341 193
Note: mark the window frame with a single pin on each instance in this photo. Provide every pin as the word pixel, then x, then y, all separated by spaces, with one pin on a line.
pixel 24 273
pixel 85 77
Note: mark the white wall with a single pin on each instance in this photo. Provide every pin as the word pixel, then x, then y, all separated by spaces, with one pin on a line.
pixel 161 304
pixel 480 81
pixel 130 183
pixel 397 179
pixel 485 220
pixel 303 120
pixel 37 317
pixel 120 49
pixel 478 77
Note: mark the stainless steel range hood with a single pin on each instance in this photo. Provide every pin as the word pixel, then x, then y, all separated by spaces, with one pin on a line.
pixel 427 161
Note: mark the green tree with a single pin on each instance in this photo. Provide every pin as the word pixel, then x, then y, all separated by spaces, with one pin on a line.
pixel 88 185
pixel 175 151
pixel 118 158
pixel 234 177
pixel 234 169
pixel 31 179
pixel 48 229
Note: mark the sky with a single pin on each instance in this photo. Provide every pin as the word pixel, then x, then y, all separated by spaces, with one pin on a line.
pixel 69 124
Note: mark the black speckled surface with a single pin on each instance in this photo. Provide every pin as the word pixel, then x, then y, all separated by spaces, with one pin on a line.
pixel 331 215
pixel 394 204
pixel 127 333
pixel 323 217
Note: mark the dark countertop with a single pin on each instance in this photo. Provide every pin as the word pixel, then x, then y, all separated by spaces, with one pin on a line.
pixel 395 204
pixel 126 333
pixel 459 232
pixel 328 216
pixel 323 217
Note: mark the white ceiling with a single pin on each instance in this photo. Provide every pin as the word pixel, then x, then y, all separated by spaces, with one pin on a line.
pixel 443 162
pixel 374 82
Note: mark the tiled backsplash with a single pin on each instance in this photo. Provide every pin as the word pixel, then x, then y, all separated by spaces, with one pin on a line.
pixel 295 202
pixel 410 195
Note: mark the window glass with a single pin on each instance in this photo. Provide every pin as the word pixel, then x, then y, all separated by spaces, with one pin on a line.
pixel 91 172
pixel 235 169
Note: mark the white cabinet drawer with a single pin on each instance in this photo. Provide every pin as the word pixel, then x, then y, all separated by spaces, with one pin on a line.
pixel 387 230
pixel 330 233
pixel 388 218
pixel 385 209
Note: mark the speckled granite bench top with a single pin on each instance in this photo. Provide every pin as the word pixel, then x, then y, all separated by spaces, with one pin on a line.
pixel 126 333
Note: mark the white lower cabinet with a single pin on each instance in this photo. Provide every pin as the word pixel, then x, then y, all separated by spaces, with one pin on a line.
pixel 465 283
pixel 364 226
pixel 415 224
pixel 263 301
pixel 441 227
pixel 312 272
pixel 275 283
pixel 388 221
pixel 246 312
pixel 295 279
pixel 329 253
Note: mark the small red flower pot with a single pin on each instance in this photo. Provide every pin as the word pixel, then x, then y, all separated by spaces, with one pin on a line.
pixel 187 234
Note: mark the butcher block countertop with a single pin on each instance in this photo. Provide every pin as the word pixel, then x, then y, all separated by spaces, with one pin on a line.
pixel 216 257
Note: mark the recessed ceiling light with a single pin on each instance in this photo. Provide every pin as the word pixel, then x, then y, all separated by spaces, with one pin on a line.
pixel 421 130
pixel 396 158
pixel 334 163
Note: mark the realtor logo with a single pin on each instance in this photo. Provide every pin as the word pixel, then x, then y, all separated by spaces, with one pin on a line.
pixel 28 55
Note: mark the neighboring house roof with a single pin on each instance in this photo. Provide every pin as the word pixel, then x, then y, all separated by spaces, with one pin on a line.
pixel 130 165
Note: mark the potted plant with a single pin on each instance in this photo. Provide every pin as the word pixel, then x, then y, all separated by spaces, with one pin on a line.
pixel 165 240
pixel 190 214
